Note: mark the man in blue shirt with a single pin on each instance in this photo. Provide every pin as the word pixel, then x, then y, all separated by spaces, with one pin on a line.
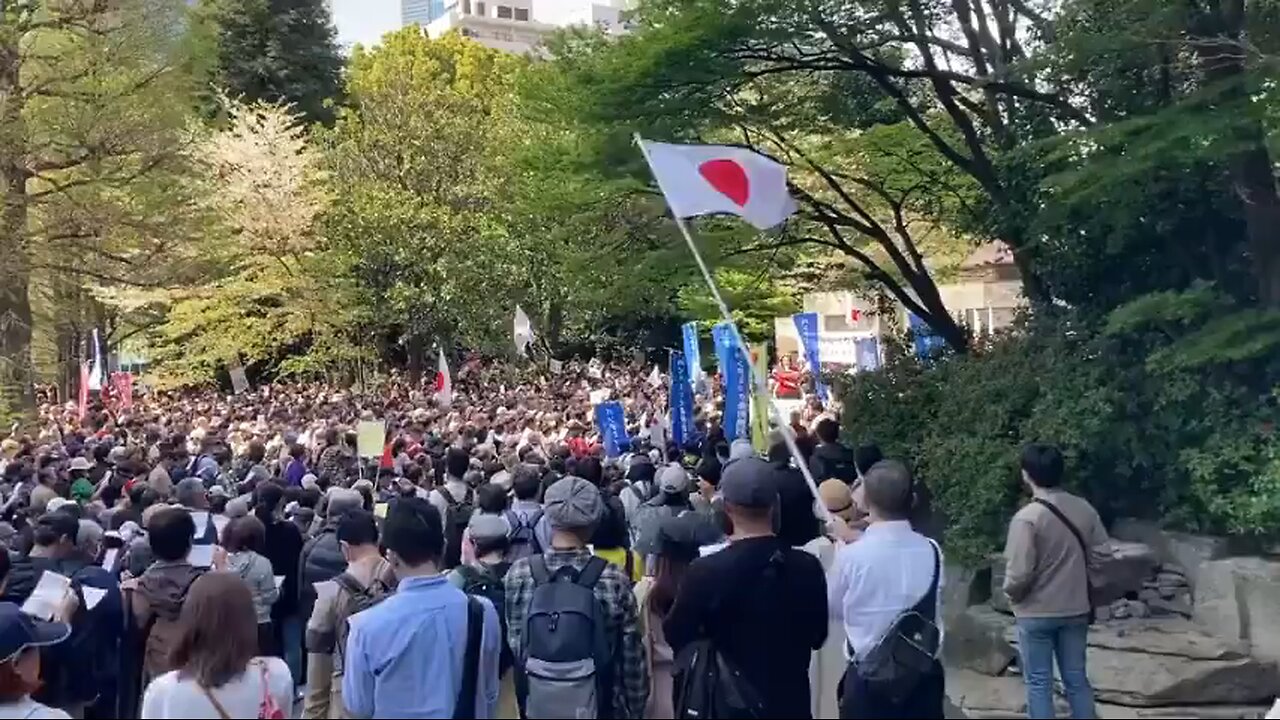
pixel 405 655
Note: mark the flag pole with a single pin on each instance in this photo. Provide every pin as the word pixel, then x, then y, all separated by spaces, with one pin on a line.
pixel 784 427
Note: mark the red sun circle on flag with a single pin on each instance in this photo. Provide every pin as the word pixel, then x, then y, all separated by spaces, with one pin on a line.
pixel 729 178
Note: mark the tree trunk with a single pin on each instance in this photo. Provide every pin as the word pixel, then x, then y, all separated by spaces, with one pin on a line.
pixel 17 376
pixel 555 325
pixel 415 353
pixel 1218 38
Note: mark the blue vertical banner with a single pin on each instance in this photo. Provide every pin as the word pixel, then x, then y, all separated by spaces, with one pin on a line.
pixel 613 428
pixel 722 333
pixel 737 398
pixel 681 400
pixel 868 354
pixel 928 344
pixel 807 329
pixel 692 354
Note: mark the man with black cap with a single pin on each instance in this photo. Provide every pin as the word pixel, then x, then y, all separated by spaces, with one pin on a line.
pixel 572 508
pixel 761 602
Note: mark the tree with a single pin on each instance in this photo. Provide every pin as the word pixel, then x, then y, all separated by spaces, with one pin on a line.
pixel 265 293
pixel 91 159
pixel 276 51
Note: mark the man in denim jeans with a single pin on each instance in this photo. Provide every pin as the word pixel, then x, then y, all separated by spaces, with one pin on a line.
pixel 1046 579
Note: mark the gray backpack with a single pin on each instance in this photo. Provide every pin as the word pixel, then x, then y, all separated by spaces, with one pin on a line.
pixel 567 659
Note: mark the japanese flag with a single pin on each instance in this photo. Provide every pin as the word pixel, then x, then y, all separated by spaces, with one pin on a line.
pixel 444 383
pixel 720 179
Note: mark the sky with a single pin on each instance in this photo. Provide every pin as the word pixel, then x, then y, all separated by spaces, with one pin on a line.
pixel 365 21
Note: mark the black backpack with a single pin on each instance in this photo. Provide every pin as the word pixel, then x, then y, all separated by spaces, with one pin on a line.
pixel 567 659
pixel 486 581
pixel 706 684
pixel 456 517
pixel 908 650
pixel 523 535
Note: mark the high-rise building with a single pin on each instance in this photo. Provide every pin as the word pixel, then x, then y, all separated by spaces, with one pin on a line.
pixel 516 26
pixel 421 12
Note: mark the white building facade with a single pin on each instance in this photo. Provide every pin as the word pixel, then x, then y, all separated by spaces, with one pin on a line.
pixel 515 26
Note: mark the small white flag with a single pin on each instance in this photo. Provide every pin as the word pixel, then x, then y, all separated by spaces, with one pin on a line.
pixel 444 383
pixel 721 179
pixel 556 366
pixel 96 371
pixel 655 377
pixel 523 332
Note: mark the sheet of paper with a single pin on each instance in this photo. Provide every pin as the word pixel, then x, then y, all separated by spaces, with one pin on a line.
pixel 201 520
pixel 380 511
pixel 220 523
pixel 92 596
pixel 48 596
pixel 279 581
pixel 706 550
pixel 109 559
pixel 201 555
pixel 326 589
pixel 370 436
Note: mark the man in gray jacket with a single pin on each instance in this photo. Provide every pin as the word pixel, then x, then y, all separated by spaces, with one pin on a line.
pixel 1048 555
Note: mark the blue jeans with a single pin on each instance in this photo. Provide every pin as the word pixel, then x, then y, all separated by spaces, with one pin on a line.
pixel 1039 641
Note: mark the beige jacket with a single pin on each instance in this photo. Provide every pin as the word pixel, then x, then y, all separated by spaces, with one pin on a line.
pixel 324 686
pixel 1045 571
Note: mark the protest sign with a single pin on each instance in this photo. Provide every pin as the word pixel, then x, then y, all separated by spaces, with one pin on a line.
pixel 737 397
pixel 613 428
pixel 692 353
pixel 370 438
pixel 807 328
pixel 681 399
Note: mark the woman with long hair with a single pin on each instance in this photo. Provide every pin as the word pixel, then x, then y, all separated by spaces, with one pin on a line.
pixel 677 548
pixel 219 674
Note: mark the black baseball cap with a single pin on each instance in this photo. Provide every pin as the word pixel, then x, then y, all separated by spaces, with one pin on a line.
pixel 749 482
pixel 19 631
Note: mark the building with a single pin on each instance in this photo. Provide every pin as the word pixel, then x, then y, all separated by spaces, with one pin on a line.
pixel 986 296
pixel 515 26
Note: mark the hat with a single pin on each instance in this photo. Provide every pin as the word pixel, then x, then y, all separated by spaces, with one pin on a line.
pixel 484 526
pixel 310 481
pixel 81 489
pixel 79 463
pixel 61 523
pixel 218 491
pixel 18 631
pixel 572 503
pixel 672 479
pixel 749 482
pixel 837 497
pixel 118 455
pixel 56 504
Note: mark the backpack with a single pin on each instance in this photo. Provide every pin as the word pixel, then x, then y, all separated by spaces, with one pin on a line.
pixel 706 684
pixel 523 535
pixel 456 517
pixel 486 581
pixel 908 650
pixel 566 661
pixel 357 598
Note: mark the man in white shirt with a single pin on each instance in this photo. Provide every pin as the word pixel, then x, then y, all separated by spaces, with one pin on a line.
pixel 890 570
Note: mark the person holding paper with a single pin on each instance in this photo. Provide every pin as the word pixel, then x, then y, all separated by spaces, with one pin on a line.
pixel 21 638
pixel 244 540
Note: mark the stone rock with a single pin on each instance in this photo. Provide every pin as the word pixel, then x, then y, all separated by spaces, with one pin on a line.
pixel 1171 607
pixel 964 587
pixel 1155 663
pixel 1148 594
pixel 1184 550
pixel 1139 609
pixel 1239 599
pixel 976 641
pixel 1128 567
pixel 978 696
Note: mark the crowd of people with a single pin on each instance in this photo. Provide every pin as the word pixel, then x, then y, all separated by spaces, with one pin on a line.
pixel 212 556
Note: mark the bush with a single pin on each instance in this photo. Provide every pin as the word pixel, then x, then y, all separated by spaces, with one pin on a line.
pixel 1188 445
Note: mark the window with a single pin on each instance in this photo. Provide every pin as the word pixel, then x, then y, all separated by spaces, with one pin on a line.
pixel 522 14
pixel 480 9
pixel 504 12
pixel 466 7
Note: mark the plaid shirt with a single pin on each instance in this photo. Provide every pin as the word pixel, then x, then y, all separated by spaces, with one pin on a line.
pixel 630 671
